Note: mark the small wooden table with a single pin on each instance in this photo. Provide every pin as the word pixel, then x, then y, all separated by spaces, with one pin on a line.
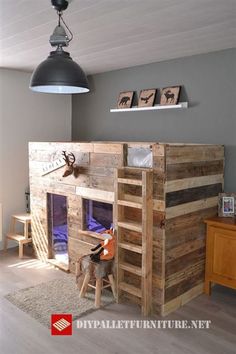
pixel 220 253
pixel 25 219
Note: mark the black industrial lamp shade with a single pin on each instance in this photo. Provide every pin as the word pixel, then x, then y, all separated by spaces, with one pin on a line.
pixel 59 74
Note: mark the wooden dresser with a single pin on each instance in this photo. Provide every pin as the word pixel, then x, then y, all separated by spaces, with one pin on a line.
pixel 220 253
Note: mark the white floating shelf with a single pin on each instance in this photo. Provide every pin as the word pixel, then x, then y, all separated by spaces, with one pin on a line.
pixel 153 108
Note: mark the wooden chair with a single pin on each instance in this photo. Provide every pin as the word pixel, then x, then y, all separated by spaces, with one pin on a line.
pixel 100 273
pixel 25 219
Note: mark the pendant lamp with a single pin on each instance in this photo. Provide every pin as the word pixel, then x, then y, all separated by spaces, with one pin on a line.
pixel 59 73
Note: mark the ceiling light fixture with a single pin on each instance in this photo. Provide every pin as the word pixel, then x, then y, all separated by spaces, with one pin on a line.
pixel 59 73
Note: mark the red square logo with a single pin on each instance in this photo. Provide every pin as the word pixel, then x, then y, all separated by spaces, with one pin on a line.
pixel 61 325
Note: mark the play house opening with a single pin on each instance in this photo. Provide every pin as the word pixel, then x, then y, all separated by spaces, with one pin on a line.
pixel 58 229
pixel 97 216
pixel 139 156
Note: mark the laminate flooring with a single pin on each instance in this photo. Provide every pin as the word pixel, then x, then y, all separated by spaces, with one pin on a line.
pixel 21 334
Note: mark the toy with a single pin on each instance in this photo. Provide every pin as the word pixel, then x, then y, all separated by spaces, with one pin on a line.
pixel 106 248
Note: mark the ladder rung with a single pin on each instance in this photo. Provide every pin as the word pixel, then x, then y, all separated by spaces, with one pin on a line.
pixel 136 182
pixel 130 225
pixel 130 247
pixel 131 268
pixel 131 289
pixel 130 204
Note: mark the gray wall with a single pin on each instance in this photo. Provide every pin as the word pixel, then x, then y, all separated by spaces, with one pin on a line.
pixel 208 83
pixel 25 116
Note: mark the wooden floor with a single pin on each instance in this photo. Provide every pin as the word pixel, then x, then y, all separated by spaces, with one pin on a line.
pixel 20 334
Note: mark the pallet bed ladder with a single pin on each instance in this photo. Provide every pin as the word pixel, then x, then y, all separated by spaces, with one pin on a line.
pixel 144 228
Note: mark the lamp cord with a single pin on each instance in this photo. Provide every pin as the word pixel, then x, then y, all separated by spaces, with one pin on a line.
pixel 60 18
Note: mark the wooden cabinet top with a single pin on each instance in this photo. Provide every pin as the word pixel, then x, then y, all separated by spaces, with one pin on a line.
pixel 226 223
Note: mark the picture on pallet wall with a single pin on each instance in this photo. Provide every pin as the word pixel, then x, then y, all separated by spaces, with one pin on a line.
pixel 147 98
pixel 227 204
pixel 170 95
pixel 125 99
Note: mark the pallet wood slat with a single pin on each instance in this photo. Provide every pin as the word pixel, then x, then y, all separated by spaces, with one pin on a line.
pixel 192 194
pixel 180 300
pixel 103 183
pixel 189 153
pixel 131 268
pixel 158 149
pixel 130 247
pixel 184 285
pixel 108 148
pixel 129 204
pixel 190 207
pixel 184 261
pixel 96 171
pixel 95 194
pixel 189 242
pixel 106 160
pixel 193 218
pixel 158 282
pixel 135 182
pixel 130 225
pixel 188 272
pixel 147 241
pixel 130 289
pixel 194 169
pixel 158 205
pixel 186 183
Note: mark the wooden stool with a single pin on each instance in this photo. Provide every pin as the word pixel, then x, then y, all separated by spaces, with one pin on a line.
pixel 25 219
pixel 98 272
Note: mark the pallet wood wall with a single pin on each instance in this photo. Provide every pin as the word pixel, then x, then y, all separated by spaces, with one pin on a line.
pixel 186 181
pixel 194 177
pixel 96 164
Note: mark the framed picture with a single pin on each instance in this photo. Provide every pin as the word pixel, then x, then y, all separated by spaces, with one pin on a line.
pixel 125 99
pixel 227 204
pixel 170 95
pixel 147 98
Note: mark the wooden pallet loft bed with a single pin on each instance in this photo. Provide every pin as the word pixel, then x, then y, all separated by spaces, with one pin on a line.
pixel 159 201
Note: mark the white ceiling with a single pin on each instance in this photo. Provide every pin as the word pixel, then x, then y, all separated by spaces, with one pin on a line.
pixel 114 34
